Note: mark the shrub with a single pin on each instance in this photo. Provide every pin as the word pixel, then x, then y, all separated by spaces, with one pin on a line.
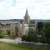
pixel 1 35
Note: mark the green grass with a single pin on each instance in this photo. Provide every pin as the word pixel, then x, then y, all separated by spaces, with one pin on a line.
pixel 5 46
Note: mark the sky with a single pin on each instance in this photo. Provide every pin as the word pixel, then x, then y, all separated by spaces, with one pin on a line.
pixel 15 9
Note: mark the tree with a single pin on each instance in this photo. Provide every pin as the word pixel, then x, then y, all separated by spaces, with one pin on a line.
pixel 40 26
pixel 47 31
pixel 1 34
pixel 40 32
pixel 31 36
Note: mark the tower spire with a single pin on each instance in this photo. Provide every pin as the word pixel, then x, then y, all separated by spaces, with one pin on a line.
pixel 26 14
pixel 26 17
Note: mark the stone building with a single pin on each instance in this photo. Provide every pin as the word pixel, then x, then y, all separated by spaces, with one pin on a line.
pixel 18 27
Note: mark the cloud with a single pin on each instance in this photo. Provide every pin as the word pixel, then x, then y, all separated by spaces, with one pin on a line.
pixel 2 0
pixel 39 9
pixel 7 9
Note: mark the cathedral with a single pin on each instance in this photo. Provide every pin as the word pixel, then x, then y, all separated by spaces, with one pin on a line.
pixel 19 27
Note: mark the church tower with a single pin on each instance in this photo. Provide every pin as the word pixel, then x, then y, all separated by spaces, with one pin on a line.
pixel 25 25
pixel 26 17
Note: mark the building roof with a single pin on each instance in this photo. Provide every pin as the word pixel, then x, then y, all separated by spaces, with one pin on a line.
pixel 21 20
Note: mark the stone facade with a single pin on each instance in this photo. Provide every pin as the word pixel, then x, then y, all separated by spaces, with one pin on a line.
pixel 17 27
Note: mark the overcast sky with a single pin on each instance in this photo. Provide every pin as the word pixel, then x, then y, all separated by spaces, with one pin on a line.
pixel 13 9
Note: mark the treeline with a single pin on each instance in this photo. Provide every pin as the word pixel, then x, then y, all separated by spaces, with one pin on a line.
pixel 42 33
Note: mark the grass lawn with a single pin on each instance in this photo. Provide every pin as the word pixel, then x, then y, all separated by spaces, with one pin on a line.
pixel 5 46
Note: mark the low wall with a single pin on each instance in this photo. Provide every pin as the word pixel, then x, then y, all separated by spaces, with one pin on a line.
pixel 36 45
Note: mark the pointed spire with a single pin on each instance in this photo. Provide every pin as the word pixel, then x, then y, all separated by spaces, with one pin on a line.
pixel 26 14
pixel 26 17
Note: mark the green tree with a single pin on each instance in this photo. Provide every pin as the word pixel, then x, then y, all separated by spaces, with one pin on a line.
pixel 40 32
pixel 1 34
pixel 31 36
pixel 40 26
pixel 47 31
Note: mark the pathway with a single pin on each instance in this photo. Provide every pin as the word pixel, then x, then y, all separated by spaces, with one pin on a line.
pixel 7 40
